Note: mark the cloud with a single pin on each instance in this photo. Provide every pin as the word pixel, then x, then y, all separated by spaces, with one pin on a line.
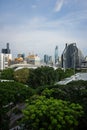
pixel 58 5
pixel 40 34
pixel 27 40
pixel 39 41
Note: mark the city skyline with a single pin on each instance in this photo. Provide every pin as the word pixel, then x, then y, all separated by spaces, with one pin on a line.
pixel 38 26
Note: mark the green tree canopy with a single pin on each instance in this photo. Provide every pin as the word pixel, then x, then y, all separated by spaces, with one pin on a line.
pixel 7 74
pixel 21 75
pixel 51 114
pixel 11 93
pixel 75 91
pixel 42 76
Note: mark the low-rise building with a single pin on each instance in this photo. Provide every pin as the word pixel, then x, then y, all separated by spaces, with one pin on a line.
pixel 5 57
pixel 33 59
pixel 5 60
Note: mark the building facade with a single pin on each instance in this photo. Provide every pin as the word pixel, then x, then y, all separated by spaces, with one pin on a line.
pixel 7 50
pixel 71 57
pixel 5 58
pixel 33 59
pixel 84 63
pixel 56 55
pixel 46 59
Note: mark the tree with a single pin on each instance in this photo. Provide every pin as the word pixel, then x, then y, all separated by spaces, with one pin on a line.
pixel 7 74
pixel 75 91
pixel 69 72
pixel 11 93
pixel 21 75
pixel 41 76
pixel 60 74
pixel 51 114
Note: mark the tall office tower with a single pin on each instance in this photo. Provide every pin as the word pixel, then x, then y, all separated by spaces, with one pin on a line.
pixel 7 50
pixel 46 59
pixel 50 60
pixel 56 55
pixel 71 56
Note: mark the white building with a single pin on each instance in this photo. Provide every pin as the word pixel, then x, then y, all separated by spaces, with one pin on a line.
pixel 4 60
pixel 33 59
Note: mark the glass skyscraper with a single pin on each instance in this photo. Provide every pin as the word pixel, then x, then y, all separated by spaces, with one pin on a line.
pixel 56 55
pixel 71 56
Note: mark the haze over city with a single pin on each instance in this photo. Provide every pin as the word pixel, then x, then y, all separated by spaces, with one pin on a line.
pixel 37 26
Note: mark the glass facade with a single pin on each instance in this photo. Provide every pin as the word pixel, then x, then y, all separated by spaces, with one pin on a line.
pixel 56 55
pixel 71 57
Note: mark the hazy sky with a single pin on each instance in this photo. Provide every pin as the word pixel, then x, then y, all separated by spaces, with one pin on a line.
pixel 37 26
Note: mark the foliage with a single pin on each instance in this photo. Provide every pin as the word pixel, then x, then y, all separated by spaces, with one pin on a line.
pixel 41 76
pixel 36 77
pixel 14 92
pixel 51 114
pixel 11 93
pixel 21 75
pixel 60 74
pixel 7 74
pixel 74 92
pixel 42 80
pixel 69 72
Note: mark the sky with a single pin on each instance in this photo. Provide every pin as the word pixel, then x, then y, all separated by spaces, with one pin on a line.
pixel 37 26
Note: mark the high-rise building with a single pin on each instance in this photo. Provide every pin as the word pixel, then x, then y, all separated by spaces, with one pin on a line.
pixel 5 58
pixel 71 56
pixel 50 60
pixel 46 58
pixel 56 55
pixel 7 50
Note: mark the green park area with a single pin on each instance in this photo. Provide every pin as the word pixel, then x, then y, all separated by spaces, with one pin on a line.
pixel 32 95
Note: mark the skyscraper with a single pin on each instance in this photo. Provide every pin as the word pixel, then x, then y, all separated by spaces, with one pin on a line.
pixel 71 56
pixel 56 55
pixel 46 58
pixel 7 50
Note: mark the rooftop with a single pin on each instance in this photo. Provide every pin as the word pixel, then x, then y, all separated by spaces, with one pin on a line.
pixel 76 77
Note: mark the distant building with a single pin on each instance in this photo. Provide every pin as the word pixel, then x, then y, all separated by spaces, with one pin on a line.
pixel 33 59
pixel 86 58
pixel 21 55
pixel 5 58
pixel 50 60
pixel 56 55
pixel 46 59
pixel 19 59
pixel 71 57
pixel 84 63
pixel 7 50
